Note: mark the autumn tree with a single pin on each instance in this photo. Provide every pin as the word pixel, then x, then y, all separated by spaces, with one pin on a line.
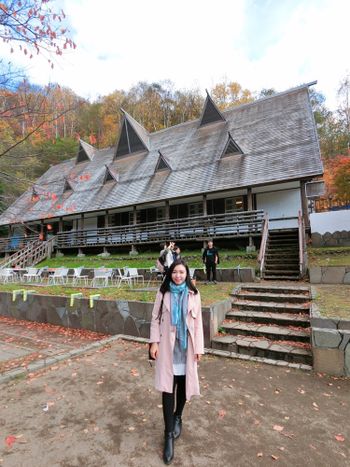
pixel 226 94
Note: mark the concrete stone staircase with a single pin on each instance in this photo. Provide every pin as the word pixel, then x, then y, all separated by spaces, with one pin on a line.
pixel 268 321
pixel 282 255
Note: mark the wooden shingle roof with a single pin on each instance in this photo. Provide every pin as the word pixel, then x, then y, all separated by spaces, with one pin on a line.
pixel 276 134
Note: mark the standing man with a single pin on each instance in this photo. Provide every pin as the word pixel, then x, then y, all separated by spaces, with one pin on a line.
pixel 211 259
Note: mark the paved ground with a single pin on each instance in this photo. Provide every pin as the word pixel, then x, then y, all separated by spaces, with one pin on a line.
pixel 100 409
pixel 24 342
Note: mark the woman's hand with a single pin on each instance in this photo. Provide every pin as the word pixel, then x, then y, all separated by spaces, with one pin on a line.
pixel 154 350
pixel 197 357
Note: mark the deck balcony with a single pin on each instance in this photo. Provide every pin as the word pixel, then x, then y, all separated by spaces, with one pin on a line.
pixel 238 224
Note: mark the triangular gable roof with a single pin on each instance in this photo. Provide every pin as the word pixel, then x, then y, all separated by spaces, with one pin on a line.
pixel 133 137
pixel 162 163
pixel 85 152
pixel 110 175
pixel 231 147
pixel 67 186
pixel 210 112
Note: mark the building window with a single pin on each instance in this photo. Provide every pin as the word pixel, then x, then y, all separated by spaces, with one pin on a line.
pixel 131 217
pixel 160 214
pixel 195 209
pixel 234 204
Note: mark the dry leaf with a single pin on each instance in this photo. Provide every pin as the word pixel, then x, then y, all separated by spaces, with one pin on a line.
pixel 340 438
pixel 131 428
pixel 260 454
pixel 222 413
pixel 275 458
pixel 278 427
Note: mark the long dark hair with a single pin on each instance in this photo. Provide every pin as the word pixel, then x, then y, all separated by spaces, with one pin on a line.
pixel 165 287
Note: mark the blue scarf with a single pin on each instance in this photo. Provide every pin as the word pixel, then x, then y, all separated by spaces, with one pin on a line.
pixel 179 302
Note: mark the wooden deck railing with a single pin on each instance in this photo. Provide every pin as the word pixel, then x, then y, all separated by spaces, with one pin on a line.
pixel 16 242
pixel 239 224
pixel 31 255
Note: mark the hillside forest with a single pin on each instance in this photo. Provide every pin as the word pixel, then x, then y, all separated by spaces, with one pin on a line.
pixel 41 126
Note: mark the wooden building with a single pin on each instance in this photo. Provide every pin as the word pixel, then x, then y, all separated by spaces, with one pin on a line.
pixel 216 177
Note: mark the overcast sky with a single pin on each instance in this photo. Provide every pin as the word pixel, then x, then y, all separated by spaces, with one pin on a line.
pixel 196 43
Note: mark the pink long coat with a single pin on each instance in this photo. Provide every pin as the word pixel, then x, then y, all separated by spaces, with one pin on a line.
pixel 164 334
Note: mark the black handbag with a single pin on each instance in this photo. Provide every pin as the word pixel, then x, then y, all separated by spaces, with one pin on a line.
pixel 159 317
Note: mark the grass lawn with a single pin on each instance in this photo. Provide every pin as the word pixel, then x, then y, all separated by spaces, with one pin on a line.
pixel 329 256
pixel 228 259
pixel 333 301
pixel 210 293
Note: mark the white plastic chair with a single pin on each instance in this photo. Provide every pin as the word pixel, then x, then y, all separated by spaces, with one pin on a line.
pixel 120 278
pixel 102 276
pixel 78 278
pixel 7 275
pixel 135 276
pixel 60 276
pixel 30 275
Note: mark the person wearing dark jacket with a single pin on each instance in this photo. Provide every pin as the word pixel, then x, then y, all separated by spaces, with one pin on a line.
pixel 211 259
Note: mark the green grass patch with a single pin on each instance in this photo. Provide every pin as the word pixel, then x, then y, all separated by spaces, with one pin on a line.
pixel 210 293
pixel 228 259
pixel 329 256
pixel 333 300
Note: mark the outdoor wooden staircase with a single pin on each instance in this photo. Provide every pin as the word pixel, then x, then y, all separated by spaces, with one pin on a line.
pixel 31 255
pixel 282 255
pixel 268 321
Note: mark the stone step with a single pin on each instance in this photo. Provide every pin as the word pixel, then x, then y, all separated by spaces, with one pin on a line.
pixel 269 266
pixel 272 297
pixel 278 333
pixel 277 277
pixel 270 306
pixel 284 319
pixel 285 272
pixel 292 289
pixel 263 348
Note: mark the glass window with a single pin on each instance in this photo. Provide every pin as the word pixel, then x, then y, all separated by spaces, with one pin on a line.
pixel 195 209
pixel 160 214
pixel 234 204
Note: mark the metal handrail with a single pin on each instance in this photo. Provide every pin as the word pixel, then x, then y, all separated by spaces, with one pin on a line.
pixel 242 223
pixel 262 251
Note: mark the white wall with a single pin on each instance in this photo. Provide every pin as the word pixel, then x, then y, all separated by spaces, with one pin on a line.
pixel 286 203
pixel 330 221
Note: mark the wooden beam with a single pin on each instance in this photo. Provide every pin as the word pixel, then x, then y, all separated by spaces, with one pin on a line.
pixel 205 205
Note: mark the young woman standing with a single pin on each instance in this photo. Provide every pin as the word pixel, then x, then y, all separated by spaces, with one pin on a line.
pixel 177 344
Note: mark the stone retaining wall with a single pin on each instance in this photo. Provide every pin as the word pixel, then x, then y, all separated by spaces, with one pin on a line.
pixel 329 274
pixel 338 238
pixel 107 316
pixel 330 344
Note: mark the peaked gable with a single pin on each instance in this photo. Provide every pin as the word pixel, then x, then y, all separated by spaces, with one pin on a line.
pixel 133 137
pixel 210 112
pixel 162 163
pixel 110 176
pixel 67 186
pixel 231 147
pixel 85 152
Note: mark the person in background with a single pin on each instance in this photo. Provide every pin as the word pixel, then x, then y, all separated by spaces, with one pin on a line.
pixel 177 344
pixel 211 259
pixel 176 252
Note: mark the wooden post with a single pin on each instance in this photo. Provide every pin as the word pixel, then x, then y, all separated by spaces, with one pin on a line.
pixel 304 205
pixel 167 210
pixel 106 218
pixel 205 205
pixel 134 215
pixel 251 246
pixel 60 224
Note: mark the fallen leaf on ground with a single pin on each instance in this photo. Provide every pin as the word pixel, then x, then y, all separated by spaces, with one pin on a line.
pixel 222 413
pixel 9 440
pixel 275 458
pixel 260 454
pixel 340 438
pixel 278 427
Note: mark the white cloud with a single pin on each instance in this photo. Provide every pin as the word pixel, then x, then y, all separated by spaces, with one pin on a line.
pixel 197 43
